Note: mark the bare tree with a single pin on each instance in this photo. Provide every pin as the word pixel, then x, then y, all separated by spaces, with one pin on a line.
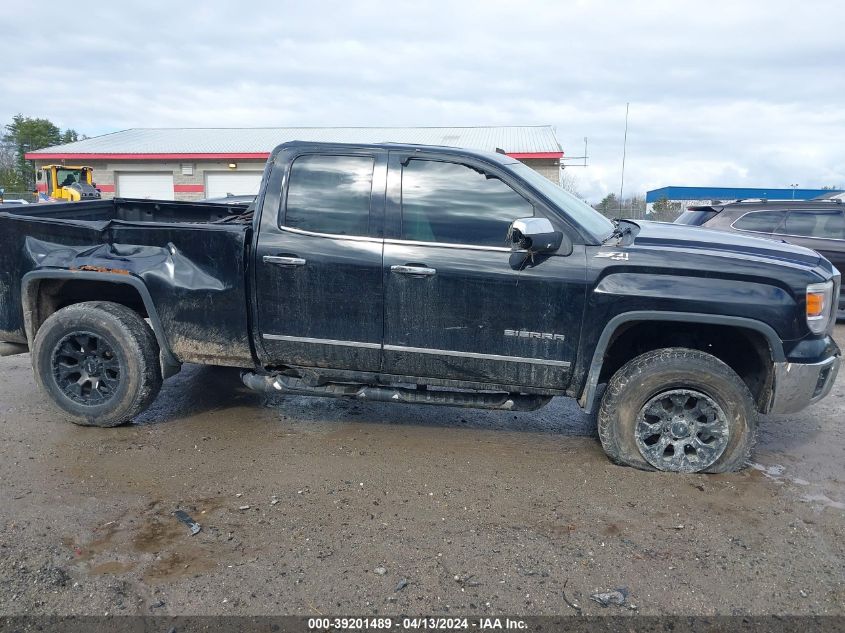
pixel 569 182
pixel 9 178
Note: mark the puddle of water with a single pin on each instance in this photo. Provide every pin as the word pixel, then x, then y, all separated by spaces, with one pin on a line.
pixel 103 540
pixel 777 473
pixel 111 567
pixel 156 534
pixel 823 500
pixel 186 562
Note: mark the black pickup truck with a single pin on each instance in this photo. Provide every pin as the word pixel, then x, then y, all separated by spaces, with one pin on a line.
pixel 425 275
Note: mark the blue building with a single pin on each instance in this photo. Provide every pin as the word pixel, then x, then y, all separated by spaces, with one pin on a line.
pixel 727 194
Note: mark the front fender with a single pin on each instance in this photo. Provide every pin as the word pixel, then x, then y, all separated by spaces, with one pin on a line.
pixel 699 294
pixel 588 394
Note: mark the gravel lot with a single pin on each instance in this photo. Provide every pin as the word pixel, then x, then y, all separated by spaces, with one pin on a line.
pixel 312 506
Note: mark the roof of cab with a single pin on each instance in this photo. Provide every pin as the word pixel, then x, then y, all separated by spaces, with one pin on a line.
pixel 497 157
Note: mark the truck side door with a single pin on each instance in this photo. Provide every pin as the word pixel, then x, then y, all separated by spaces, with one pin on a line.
pixel 318 260
pixel 458 304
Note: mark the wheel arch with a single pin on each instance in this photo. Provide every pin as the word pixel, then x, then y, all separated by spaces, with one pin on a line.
pixel 36 309
pixel 622 322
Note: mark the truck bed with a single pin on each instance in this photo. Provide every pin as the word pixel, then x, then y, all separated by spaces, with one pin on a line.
pixel 132 210
pixel 191 257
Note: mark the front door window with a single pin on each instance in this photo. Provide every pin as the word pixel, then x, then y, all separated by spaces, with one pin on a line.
pixel 451 203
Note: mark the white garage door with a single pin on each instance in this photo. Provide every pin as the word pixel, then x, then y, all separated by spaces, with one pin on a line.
pixel 219 184
pixel 155 185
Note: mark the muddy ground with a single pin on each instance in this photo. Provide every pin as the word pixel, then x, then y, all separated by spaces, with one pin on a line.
pixel 394 509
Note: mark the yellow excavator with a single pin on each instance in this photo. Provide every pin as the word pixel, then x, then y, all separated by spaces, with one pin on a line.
pixel 68 183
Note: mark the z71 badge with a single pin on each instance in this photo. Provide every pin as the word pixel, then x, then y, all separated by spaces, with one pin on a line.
pixel 614 255
pixel 549 336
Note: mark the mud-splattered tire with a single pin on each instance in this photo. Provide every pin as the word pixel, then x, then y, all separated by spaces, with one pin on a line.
pixel 98 361
pixel 680 410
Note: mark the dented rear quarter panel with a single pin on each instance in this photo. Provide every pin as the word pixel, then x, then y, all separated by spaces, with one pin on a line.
pixel 195 273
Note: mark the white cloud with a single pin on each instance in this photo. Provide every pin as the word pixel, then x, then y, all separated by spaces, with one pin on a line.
pixel 722 93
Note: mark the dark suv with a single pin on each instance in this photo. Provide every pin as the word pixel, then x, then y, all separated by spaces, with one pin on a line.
pixel 819 225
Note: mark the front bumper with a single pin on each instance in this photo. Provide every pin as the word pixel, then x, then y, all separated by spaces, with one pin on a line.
pixel 798 385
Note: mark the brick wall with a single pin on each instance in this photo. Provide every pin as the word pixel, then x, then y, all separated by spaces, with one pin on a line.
pixel 550 168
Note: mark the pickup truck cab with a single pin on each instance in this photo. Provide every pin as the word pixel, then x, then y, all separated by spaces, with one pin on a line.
pixel 426 275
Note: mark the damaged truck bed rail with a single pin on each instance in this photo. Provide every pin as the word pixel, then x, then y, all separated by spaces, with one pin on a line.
pixel 424 275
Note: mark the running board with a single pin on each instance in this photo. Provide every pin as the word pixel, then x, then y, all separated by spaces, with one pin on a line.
pixel 473 400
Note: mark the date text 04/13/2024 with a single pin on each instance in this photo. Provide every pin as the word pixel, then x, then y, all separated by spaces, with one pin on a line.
pixel 415 623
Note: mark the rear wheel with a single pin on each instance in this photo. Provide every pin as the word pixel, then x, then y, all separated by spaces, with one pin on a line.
pixel 678 410
pixel 98 361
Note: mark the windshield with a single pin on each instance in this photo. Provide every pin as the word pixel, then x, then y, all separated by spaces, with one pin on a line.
pixel 579 211
pixel 66 177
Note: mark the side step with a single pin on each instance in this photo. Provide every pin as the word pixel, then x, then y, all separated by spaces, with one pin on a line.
pixel 473 400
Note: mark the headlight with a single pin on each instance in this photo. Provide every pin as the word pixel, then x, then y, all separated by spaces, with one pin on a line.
pixel 819 306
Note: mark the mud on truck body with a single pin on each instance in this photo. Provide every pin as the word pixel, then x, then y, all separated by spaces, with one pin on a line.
pixel 424 275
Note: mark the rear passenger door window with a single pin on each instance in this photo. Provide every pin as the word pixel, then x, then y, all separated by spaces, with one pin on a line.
pixel 453 203
pixel 319 264
pixel 822 224
pixel 330 194
pixel 760 221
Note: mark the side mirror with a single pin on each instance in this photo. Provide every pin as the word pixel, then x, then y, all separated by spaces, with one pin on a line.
pixel 537 235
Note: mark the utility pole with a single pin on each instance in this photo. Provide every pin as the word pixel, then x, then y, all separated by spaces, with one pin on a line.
pixel 624 151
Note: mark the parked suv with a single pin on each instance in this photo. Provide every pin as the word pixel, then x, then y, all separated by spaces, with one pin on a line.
pixel 819 225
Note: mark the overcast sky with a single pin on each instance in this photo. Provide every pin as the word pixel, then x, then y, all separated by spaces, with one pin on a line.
pixel 722 93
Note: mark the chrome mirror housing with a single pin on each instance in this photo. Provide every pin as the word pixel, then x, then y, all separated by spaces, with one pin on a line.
pixel 535 235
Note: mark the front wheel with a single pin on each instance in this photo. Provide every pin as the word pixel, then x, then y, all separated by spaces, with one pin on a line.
pixel 98 361
pixel 678 410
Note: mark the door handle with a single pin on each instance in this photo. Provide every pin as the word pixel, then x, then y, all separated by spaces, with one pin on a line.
pixel 416 271
pixel 283 261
